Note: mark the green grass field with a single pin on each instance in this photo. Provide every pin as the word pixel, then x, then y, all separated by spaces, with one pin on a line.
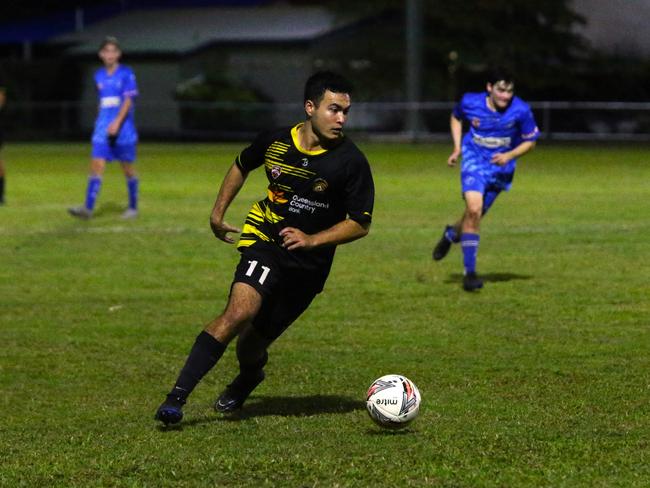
pixel 541 379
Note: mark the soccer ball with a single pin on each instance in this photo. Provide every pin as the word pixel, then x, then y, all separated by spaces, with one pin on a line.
pixel 393 401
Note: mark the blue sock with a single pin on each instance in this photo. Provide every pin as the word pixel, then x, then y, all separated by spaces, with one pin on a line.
pixel 132 186
pixel 469 244
pixel 450 234
pixel 92 191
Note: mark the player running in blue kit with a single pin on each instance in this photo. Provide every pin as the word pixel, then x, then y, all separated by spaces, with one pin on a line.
pixel 501 129
pixel 115 136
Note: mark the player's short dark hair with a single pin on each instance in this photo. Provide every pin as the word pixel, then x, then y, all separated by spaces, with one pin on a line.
pixel 321 81
pixel 500 73
pixel 109 40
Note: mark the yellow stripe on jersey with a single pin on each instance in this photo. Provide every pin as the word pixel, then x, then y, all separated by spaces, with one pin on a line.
pixel 256 213
pixel 280 145
pixel 259 214
pixel 272 217
pixel 250 229
pixel 245 243
pixel 274 149
pixel 277 148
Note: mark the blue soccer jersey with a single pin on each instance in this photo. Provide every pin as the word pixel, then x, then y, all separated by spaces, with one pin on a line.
pixel 493 132
pixel 112 90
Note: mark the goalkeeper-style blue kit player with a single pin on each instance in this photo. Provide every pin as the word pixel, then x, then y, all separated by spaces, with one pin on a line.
pixel 115 136
pixel 501 129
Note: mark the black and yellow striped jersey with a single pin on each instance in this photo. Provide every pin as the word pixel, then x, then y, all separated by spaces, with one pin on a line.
pixel 308 190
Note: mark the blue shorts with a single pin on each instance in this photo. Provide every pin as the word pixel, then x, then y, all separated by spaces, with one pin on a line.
pixel 114 152
pixel 488 187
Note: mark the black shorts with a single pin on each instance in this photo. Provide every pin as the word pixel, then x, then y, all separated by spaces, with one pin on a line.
pixel 286 291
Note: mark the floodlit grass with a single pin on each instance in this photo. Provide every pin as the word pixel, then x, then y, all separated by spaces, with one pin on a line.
pixel 541 379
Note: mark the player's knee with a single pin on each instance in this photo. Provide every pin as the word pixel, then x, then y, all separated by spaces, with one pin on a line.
pixel 237 315
pixel 473 213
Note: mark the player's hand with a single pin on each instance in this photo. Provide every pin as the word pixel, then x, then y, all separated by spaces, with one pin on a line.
pixel 293 238
pixel 501 158
pixel 453 158
pixel 220 229
pixel 113 128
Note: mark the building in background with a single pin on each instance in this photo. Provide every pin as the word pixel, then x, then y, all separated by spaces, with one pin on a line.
pixel 248 54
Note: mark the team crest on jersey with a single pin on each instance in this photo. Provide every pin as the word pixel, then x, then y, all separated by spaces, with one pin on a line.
pixel 305 161
pixel 276 171
pixel 476 123
pixel 320 185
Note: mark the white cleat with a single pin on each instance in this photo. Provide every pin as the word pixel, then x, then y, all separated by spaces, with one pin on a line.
pixel 130 213
pixel 80 212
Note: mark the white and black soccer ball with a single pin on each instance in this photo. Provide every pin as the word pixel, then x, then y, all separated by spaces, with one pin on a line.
pixel 393 401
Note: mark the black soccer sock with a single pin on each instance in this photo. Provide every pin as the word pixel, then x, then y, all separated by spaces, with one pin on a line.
pixel 2 189
pixel 204 355
pixel 252 369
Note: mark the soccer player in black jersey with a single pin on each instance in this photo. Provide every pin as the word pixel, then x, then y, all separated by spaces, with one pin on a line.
pixel 320 194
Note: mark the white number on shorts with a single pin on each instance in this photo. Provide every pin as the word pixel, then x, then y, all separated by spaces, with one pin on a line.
pixel 251 269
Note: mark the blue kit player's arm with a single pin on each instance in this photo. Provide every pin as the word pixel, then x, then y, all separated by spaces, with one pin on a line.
pixel 456 129
pixel 129 92
pixel 116 124
pixel 528 137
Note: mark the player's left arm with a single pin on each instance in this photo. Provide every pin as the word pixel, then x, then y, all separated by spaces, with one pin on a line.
pixel 347 230
pixel 128 94
pixel 529 134
pixel 116 124
pixel 505 157
pixel 359 201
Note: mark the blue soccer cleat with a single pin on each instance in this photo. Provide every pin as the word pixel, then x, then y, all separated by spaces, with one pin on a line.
pixel 171 410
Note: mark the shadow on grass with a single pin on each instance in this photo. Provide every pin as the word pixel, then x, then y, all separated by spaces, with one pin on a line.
pixel 283 406
pixel 456 278
pixel 383 432
pixel 108 208
pixel 296 406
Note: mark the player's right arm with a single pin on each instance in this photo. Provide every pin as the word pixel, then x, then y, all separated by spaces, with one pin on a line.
pixel 456 129
pixel 250 158
pixel 232 183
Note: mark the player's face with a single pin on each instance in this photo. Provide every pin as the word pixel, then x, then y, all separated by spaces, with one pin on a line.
pixel 329 116
pixel 110 54
pixel 500 94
